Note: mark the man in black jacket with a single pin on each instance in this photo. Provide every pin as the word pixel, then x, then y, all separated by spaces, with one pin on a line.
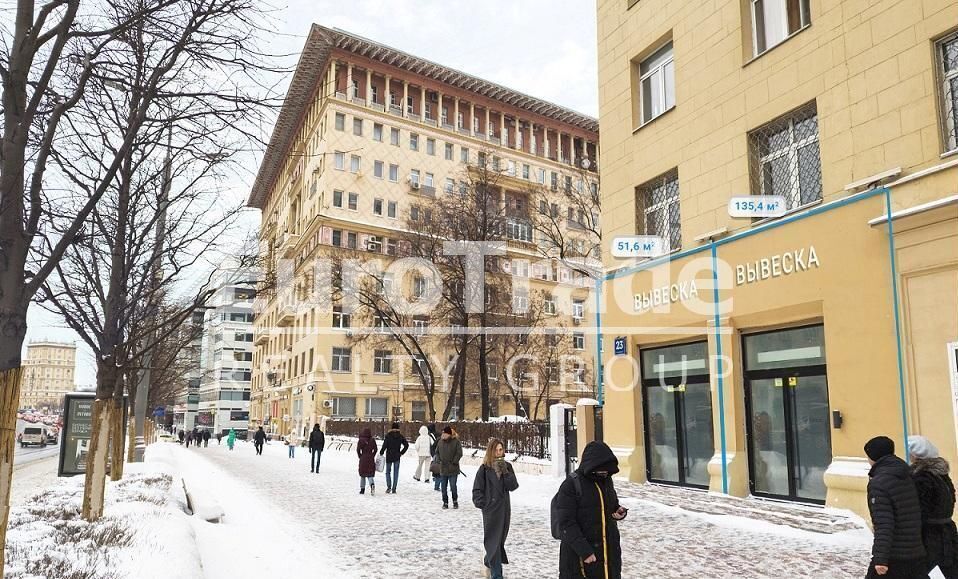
pixel 588 515
pixel 317 442
pixel 394 446
pixel 897 552
pixel 258 439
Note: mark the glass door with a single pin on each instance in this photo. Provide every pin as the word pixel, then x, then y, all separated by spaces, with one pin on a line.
pixel 787 413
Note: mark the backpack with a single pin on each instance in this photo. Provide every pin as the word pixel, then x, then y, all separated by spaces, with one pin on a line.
pixel 554 507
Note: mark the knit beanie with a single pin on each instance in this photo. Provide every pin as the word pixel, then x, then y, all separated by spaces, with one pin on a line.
pixel 879 447
pixel 447 430
pixel 920 447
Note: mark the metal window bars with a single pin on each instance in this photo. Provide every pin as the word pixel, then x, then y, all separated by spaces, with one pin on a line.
pixel 659 200
pixel 948 71
pixel 785 158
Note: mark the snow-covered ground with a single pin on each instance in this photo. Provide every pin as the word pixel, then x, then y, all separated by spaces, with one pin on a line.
pixel 279 516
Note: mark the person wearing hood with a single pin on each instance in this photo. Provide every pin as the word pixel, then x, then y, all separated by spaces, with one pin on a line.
pixel 424 453
pixel 448 454
pixel 394 446
pixel 366 451
pixel 495 479
pixel 897 550
pixel 587 515
pixel 317 442
pixel 936 495
pixel 259 439
pixel 231 439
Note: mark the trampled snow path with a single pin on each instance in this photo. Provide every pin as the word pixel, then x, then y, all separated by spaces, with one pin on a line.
pixel 408 535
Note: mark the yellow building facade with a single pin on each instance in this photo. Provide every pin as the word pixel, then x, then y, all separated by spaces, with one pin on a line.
pixel 48 372
pixel 759 354
pixel 368 138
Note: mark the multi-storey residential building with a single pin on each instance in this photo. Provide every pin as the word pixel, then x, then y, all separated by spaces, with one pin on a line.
pixel 47 373
pixel 825 325
pixel 227 357
pixel 367 139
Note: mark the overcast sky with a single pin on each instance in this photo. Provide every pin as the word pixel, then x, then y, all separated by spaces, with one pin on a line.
pixel 545 48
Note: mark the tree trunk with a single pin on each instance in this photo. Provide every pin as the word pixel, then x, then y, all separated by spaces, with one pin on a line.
pixel 129 440
pixel 94 487
pixel 9 402
pixel 117 456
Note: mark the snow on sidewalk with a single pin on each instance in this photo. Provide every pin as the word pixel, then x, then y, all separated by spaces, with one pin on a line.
pixel 254 539
pixel 408 535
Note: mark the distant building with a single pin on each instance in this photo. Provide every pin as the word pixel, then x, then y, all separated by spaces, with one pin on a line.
pixel 47 374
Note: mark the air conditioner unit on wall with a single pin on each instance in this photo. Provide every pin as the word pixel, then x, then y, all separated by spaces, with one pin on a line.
pixel 327 403
pixel 414 185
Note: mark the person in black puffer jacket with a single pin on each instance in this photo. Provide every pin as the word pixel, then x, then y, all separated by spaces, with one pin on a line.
pixel 394 446
pixel 588 518
pixel 897 552
pixel 936 493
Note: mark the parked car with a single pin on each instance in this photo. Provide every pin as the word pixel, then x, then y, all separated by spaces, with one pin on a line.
pixel 36 435
pixel 53 435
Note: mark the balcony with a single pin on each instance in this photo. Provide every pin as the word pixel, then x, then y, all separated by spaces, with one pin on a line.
pixel 378 106
pixel 261 340
pixel 359 101
pixel 287 244
pixel 427 191
pixel 395 110
pixel 286 315
pixel 464 131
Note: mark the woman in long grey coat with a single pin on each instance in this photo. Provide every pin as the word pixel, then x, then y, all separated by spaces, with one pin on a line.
pixel 490 492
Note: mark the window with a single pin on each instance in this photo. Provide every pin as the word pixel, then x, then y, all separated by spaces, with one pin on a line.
pixel 520 303
pixel 376 407
pixel 357 126
pixel 414 176
pixel 380 325
pixel 391 247
pixel 339 159
pixel 464 154
pixel 449 151
pixel 430 146
pixel 541 176
pixel 344 407
pixel 378 169
pixel 418 287
pixel 578 340
pixel 525 171
pixel 785 158
pixel 657 83
pixel 355 162
pixel 496 162
pixel 414 213
pixel 420 323
pixel 394 137
pixel 383 361
pixel 947 50
pixel 492 371
pixel 378 132
pixel 351 240
pixel 340 320
pixel 578 373
pixel 775 20
pixel 554 184
pixel 578 308
pixel 511 167
pixel 337 238
pixel 342 359
pixel 377 206
pixel 340 122
pixel 519 231
pixel 450 185
pixel 550 305
pixel 414 141
pixel 659 202
pixel 391 209
pixel 353 201
pixel 337 198
pixel 418 413
pixel 393 173
pixel 430 180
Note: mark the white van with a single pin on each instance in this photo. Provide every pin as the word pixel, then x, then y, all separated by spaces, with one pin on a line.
pixel 34 435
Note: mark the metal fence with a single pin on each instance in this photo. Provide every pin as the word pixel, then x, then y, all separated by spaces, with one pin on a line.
pixel 523 438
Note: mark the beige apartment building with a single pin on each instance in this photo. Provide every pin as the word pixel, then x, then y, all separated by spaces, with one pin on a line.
pixel 47 373
pixel 368 139
pixel 759 354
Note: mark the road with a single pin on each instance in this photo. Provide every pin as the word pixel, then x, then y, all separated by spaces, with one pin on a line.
pixel 34 469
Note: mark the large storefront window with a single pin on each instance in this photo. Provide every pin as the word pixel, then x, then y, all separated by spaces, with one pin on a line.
pixel 678 414
pixel 788 424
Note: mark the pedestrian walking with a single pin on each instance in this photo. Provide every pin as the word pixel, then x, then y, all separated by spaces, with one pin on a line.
pixel 585 515
pixel 231 439
pixel 424 453
pixel 206 438
pixel 189 438
pixel 259 439
pixel 366 451
pixel 291 443
pixel 317 442
pixel 495 479
pixel 448 453
pixel 936 496
pixel 897 551
pixel 181 435
pixel 394 446
pixel 219 437
pixel 434 443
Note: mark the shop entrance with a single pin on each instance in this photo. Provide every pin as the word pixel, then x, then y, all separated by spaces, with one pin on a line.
pixel 787 409
pixel 677 401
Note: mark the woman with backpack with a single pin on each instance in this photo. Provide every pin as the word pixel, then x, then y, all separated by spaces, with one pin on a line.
pixel 366 451
pixel 495 479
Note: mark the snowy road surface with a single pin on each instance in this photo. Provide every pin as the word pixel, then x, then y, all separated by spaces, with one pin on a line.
pixel 298 524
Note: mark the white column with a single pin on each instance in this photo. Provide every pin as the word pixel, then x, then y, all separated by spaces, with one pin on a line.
pixel 518 133
pixel 332 76
pixel 386 92
pixel 559 146
pixel 439 106
pixel 546 149
pixel 585 149
pixel 532 138
pixel 369 86
pixel 502 130
pixel 455 113
pixel 405 97
pixel 422 103
pixel 472 118
pixel 486 126
pixel 349 81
